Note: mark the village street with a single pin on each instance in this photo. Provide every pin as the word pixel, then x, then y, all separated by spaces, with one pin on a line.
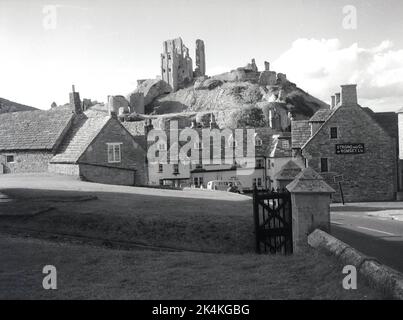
pixel 375 229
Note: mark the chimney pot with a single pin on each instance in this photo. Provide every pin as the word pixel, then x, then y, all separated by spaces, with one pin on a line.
pixel 333 103
pixel 349 95
pixel 337 95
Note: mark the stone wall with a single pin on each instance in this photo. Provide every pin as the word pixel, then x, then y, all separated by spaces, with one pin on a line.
pixel 132 154
pixel 64 168
pixel 26 161
pixel 370 176
pixel 108 175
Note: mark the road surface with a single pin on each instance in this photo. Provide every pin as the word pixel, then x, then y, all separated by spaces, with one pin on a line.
pixel 370 229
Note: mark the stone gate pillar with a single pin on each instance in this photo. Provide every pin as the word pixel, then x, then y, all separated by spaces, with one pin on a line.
pixel 310 198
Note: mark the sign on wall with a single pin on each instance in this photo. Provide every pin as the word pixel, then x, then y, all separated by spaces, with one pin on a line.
pixel 350 148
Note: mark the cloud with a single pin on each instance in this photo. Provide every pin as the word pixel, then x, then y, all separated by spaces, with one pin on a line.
pixel 321 66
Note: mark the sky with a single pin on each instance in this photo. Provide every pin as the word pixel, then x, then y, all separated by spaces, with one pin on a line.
pixel 103 47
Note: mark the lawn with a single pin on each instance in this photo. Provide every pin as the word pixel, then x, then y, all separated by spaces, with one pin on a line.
pixel 86 272
pixel 215 231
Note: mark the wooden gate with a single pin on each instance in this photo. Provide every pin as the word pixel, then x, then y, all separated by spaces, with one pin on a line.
pixel 273 221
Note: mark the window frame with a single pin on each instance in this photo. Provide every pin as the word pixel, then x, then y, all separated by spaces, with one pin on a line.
pixel 337 133
pixel 175 168
pixel 114 146
pixel 327 165
pixel 9 155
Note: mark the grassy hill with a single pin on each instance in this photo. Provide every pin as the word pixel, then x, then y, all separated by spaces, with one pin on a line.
pixel 10 106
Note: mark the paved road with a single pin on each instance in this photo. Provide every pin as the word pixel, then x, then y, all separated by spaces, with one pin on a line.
pixel 371 233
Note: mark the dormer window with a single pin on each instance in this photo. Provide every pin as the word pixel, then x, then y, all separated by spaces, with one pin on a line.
pixel 285 144
pixel 258 142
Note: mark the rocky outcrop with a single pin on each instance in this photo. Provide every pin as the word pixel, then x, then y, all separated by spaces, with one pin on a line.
pixel 151 88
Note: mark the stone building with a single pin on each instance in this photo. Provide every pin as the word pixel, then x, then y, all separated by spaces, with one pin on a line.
pixel 176 64
pixel 346 144
pixel 29 139
pixel 98 148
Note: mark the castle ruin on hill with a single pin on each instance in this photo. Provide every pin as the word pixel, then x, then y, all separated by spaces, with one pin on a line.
pixel 177 65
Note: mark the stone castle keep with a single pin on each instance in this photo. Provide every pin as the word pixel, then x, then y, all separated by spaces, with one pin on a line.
pixel 177 65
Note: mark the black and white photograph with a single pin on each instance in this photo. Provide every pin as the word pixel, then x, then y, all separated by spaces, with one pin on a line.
pixel 201 156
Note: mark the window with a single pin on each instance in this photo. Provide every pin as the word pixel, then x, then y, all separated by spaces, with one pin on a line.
pixel 259 182
pixel 198 145
pixel 333 133
pixel 10 158
pixel 231 142
pixel 176 168
pixel 258 142
pixel 285 144
pixel 162 146
pixel 160 167
pixel 114 152
pixel 254 182
pixel 199 166
pixel 324 165
pixel 259 163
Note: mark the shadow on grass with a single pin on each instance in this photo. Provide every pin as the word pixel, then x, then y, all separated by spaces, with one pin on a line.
pixel 183 223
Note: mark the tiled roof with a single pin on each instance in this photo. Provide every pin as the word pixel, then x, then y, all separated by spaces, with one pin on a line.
pixel 137 130
pixel 300 133
pixel 83 131
pixel 321 115
pixel 309 181
pixel 289 171
pixel 387 120
pixel 33 130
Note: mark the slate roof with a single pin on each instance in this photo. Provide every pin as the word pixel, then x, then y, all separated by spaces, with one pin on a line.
pixel 33 130
pixel 321 115
pixel 289 171
pixel 84 129
pixel 387 120
pixel 137 130
pixel 300 133
pixel 309 181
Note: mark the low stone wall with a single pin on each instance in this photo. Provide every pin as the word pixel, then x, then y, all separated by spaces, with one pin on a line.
pixel 107 175
pixel 64 168
pixel 378 276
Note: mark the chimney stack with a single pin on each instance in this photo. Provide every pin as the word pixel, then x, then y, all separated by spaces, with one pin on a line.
pixel 75 101
pixel 349 95
pixel 337 95
pixel 333 103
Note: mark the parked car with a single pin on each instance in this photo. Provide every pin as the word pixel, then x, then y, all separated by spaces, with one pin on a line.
pixel 225 185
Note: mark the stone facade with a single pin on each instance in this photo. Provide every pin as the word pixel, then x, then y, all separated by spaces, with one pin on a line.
pixel 369 175
pixel 25 161
pixel 94 161
pixel 176 64
pixel 64 168
pixel 200 59
pixel 108 175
